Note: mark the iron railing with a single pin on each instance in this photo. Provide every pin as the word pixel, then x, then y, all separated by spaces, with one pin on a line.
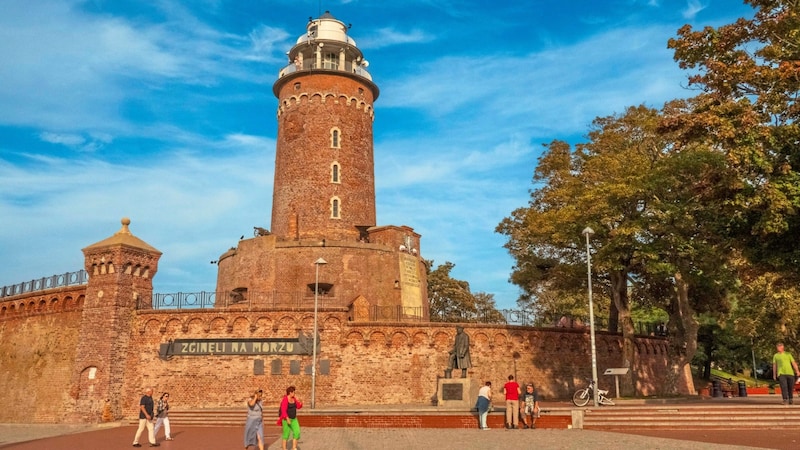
pixel 239 300
pixel 304 300
pixel 395 313
pixel 311 64
pixel 44 283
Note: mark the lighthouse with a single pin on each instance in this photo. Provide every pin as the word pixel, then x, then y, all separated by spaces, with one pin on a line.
pixel 324 198
pixel 324 165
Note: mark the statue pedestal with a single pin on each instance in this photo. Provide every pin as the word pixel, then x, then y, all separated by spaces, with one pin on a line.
pixel 456 393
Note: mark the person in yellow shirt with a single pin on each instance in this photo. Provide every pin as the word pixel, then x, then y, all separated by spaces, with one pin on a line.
pixel 784 369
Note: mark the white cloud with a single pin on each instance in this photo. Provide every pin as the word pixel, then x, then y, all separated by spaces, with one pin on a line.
pixel 190 206
pixel 388 37
pixel 693 7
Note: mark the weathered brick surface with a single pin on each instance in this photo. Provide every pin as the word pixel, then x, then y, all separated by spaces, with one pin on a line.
pixel 311 105
pixel 38 336
pixel 283 273
pixel 391 363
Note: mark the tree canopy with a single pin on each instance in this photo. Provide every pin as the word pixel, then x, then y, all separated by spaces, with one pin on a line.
pixel 695 205
pixel 452 301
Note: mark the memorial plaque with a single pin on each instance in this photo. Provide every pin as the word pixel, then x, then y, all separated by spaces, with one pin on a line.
pixel 277 366
pixel 258 367
pixel 452 391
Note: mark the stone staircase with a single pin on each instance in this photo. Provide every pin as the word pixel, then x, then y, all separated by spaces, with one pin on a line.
pixel 369 417
pixel 667 416
pixel 671 417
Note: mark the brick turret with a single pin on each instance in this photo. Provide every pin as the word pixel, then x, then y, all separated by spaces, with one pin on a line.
pixel 121 270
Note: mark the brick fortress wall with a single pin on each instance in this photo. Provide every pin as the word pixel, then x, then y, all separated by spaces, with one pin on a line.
pixel 389 363
pixel 39 333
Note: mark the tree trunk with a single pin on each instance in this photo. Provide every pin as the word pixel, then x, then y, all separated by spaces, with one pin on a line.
pixel 619 295
pixel 682 341
pixel 613 318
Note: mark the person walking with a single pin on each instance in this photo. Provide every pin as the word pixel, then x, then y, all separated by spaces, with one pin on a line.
pixel 162 417
pixel 484 404
pixel 288 418
pixel 146 419
pixel 511 390
pixel 254 426
pixel 784 369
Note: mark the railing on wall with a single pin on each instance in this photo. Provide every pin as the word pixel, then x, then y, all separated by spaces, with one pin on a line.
pixel 395 313
pixel 244 300
pixel 44 283
pixel 239 300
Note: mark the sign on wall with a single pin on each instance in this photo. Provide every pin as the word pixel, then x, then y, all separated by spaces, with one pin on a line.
pixel 301 345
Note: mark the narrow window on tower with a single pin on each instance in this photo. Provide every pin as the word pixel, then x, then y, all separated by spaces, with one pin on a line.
pixel 335 173
pixel 335 208
pixel 336 138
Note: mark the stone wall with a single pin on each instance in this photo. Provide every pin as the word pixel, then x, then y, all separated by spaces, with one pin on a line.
pixel 389 363
pixel 39 333
pixel 370 364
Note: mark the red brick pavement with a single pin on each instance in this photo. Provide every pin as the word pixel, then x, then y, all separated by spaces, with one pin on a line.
pixel 222 438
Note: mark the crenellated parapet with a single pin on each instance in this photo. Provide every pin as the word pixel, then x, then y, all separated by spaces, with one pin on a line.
pixel 325 98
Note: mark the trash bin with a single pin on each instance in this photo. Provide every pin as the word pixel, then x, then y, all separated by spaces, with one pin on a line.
pixel 716 389
pixel 742 389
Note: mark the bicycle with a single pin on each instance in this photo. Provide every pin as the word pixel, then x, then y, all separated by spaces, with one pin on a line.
pixel 582 396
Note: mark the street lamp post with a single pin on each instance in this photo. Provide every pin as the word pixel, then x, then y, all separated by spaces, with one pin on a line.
pixel 317 263
pixel 588 232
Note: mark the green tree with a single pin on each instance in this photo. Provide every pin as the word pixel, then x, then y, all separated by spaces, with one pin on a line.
pixel 451 299
pixel 656 212
pixel 600 184
pixel 748 77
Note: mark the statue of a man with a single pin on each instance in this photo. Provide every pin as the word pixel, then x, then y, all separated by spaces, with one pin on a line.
pixel 459 355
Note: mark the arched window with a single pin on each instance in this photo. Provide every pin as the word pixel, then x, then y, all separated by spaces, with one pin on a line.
pixel 336 138
pixel 335 174
pixel 335 208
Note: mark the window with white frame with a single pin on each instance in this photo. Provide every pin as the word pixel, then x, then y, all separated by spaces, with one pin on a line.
pixel 336 209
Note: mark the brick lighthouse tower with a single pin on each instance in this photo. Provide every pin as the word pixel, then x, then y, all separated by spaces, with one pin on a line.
pixel 324 197
pixel 324 171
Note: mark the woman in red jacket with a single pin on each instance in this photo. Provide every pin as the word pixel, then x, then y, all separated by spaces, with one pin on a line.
pixel 288 418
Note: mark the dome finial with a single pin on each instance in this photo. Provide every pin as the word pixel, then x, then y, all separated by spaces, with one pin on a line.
pixel 125 222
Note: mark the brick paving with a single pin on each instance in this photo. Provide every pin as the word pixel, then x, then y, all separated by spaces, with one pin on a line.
pixel 223 438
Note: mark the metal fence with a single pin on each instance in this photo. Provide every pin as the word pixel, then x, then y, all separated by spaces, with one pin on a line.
pixel 395 313
pixel 302 300
pixel 239 300
pixel 41 284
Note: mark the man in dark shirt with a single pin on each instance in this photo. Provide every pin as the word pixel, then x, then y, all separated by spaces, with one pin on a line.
pixel 529 406
pixel 146 419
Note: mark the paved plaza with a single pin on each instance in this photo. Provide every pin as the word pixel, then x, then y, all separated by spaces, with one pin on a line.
pixel 114 436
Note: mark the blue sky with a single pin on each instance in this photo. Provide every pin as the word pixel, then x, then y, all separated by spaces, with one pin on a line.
pixel 163 112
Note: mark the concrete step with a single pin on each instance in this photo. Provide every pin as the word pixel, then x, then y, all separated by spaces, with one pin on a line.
pixel 693 417
pixel 371 418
